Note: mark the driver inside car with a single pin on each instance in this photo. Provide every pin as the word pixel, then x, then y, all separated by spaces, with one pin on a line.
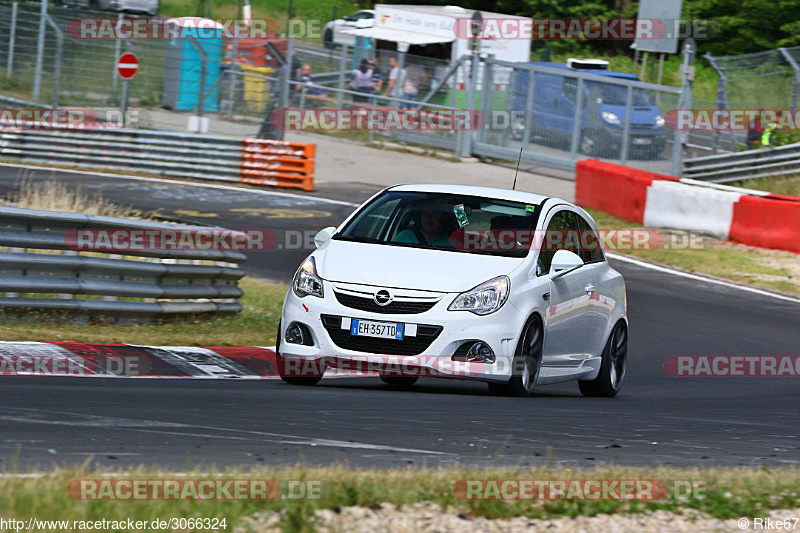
pixel 433 230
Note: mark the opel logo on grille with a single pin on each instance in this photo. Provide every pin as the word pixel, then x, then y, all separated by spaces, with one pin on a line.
pixel 382 297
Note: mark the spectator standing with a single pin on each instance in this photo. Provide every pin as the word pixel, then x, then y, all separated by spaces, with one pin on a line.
pixel 377 78
pixel 307 84
pixel 411 85
pixel 362 81
pixel 397 78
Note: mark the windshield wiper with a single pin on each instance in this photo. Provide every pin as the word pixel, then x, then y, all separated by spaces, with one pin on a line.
pixel 364 239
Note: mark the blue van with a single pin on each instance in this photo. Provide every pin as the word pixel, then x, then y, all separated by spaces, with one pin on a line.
pixel 603 119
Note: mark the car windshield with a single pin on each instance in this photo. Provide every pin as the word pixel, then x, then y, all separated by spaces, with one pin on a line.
pixel 616 94
pixel 441 221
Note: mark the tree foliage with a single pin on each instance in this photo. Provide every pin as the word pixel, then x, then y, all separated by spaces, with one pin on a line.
pixel 741 26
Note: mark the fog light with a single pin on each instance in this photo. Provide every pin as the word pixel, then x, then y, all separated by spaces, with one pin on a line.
pixel 294 334
pixel 480 352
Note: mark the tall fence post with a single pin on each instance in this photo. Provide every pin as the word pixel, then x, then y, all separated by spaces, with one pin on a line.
pixel 342 67
pixel 12 35
pixel 626 130
pixel 58 60
pixel 528 113
pixel 685 102
pixel 722 94
pixel 232 78
pixel 117 47
pixel 796 79
pixel 287 89
pixel 37 77
pixel 576 123
pixel 471 89
pixel 487 96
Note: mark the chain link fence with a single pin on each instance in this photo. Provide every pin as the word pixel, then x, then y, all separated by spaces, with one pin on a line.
pixel 74 72
pixel 559 115
pixel 763 80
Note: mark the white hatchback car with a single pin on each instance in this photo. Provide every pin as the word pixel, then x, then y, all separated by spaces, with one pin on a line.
pixel 495 285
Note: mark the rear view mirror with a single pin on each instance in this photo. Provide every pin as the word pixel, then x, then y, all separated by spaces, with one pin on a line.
pixel 323 236
pixel 563 262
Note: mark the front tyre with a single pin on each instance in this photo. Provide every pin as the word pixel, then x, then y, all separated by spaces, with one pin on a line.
pixel 307 378
pixel 527 363
pixel 327 39
pixel 613 366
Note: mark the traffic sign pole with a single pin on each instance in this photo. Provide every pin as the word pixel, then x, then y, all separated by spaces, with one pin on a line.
pixel 125 89
pixel 127 67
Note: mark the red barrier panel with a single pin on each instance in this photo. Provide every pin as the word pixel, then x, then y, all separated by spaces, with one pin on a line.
pixel 767 223
pixel 614 189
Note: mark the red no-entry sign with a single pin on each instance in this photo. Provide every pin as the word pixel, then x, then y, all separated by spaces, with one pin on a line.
pixel 127 66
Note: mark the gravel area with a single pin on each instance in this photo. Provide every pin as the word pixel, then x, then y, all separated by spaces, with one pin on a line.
pixel 430 517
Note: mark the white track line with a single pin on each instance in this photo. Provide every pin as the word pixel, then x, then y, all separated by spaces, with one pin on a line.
pixel 189 183
pixel 704 279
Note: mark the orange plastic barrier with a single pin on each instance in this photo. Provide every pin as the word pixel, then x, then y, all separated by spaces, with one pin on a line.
pixel 278 163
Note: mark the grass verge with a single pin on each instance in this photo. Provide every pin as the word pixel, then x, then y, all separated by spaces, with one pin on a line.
pixel 719 493
pixel 787 185
pixel 770 269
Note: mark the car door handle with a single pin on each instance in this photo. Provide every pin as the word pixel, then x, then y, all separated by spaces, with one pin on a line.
pixel 589 288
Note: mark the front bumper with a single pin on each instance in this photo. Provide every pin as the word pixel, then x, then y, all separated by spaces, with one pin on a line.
pixel 640 138
pixel 428 352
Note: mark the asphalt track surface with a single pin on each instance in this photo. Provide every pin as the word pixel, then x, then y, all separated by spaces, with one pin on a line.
pixel 657 419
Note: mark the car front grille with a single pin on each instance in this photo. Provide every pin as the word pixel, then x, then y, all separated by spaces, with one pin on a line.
pixel 408 346
pixel 367 303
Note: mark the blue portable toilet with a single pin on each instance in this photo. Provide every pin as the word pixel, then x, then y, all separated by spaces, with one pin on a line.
pixel 184 63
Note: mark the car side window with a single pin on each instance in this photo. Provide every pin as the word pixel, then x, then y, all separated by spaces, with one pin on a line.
pixel 591 251
pixel 570 88
pixel 562 234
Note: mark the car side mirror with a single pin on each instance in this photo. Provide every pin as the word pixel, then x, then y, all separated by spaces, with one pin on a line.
pixel 323 236
pixel 563 262
pixel 348 18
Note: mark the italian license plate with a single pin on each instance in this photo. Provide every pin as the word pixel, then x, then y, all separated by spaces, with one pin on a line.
pixel 381 330
pixel 642 141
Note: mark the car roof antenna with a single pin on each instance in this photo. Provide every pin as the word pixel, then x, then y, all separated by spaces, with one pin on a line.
pixel 514 187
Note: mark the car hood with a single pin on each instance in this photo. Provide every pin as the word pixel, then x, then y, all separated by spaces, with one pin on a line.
pixel 408 268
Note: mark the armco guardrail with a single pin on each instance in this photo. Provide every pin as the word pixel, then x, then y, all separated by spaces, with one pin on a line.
pixel 254 161
pixel 725 168
pixel 40 269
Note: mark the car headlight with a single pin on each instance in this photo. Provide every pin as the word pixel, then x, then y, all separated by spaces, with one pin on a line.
pixel 306 281
pixel 486 298
pixel 660 121
pixel 610 117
